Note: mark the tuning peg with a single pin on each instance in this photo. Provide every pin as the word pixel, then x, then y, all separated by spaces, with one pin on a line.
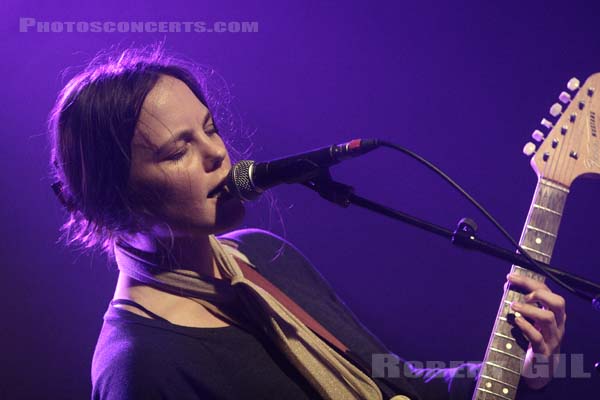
pixel 537 135
pixel 556 109
pixel 573 84
pixel 564 98
pixel 529 148
pixel 546 123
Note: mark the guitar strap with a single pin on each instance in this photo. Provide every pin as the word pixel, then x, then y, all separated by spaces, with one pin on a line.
pixel 291 305
pixel 251 274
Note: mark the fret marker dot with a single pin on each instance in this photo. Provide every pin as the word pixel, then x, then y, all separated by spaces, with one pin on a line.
pixel 488 385
pixel 538 241
pixel 508 346
pixel 505 390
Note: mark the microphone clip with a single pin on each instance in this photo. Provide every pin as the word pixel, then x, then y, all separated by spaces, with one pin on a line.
pixel 329 189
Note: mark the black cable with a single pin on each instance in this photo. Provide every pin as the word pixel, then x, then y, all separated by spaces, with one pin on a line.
pixel 484 212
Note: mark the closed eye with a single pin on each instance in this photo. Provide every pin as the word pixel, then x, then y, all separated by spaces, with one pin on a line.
pixel 178 155
pixel 211 130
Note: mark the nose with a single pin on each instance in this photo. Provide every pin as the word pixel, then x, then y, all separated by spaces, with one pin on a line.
pixel 213 156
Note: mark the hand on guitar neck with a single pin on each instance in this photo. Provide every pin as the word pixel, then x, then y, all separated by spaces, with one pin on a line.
pixel 570 149
pixel 544 332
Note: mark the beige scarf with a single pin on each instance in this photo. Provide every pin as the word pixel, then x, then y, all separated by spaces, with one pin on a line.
pixel 328 372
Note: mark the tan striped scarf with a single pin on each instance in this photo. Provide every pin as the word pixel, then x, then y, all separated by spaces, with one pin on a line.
pixel 332 376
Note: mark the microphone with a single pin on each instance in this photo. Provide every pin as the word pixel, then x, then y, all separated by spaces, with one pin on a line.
pixel 247 180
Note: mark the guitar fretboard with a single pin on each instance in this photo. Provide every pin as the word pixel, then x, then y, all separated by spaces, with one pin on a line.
pixel 504 357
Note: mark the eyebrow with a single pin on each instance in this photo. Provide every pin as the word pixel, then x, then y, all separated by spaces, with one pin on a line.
pixel 184 134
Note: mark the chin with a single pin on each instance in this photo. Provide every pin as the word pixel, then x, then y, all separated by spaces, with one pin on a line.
pixel 229 215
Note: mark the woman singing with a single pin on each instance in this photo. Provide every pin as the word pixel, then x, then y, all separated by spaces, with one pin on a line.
pixel 140 165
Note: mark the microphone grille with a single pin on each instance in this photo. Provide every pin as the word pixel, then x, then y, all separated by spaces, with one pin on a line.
pixel 240 180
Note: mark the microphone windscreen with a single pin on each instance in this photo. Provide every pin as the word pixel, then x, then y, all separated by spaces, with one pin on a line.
pixel 239 181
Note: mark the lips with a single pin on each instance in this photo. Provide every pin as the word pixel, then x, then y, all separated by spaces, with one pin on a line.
pixel 219 189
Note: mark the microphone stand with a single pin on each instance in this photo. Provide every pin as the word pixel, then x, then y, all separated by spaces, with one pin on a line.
pixel 464 235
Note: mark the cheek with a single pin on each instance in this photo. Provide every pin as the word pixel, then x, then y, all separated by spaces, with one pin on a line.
pixel 177 193
pixel 185 194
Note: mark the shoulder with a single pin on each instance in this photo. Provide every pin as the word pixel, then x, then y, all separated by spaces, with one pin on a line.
pixel 134 360
pixel 263 247
pixel 124 367
pixel 249 236
pixel 281 262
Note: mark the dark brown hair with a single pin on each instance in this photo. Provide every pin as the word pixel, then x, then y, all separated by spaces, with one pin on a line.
pixel 91 127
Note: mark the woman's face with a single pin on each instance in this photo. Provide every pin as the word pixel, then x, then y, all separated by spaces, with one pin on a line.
pixel 178 157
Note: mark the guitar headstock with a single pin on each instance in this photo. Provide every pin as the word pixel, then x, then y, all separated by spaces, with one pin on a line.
pixel 572 146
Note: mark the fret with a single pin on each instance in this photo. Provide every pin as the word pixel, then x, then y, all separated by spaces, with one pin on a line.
pixel 544 221
pixel 499 373
pixel 494 394
pixel 503 341
pixel 553 185
pixel 499 381
pixel 527 272
pixel 533 228
pixel 503 327
pixel 523 271
pixel 502 368
pixel 527 248
pixel 504 336
pixel 505 307
pixel 548 192
pixel 505 352
pixel 547 210
pixel 506 360
pixel 511 295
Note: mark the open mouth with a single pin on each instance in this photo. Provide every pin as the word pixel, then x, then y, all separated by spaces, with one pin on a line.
pixel 218 190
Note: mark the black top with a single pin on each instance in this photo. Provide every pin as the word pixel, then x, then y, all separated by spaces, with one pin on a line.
pixel 142 358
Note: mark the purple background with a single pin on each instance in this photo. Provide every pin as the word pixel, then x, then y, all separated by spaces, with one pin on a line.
pixel 463 84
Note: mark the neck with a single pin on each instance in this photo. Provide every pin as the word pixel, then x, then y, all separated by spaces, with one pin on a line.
pixel 184 252
pixel 190 252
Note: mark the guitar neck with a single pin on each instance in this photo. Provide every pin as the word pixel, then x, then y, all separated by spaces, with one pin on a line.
pixel 501 369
